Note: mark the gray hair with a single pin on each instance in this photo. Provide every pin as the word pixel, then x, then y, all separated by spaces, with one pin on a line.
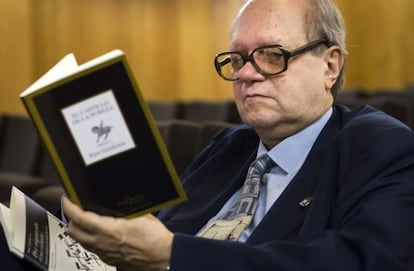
pixel 324 20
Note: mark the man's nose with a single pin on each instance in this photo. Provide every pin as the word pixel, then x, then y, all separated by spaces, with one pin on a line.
pixel 249 72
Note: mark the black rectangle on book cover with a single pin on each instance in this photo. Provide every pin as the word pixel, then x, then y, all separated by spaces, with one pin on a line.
pixel 104 142
pixel 36 249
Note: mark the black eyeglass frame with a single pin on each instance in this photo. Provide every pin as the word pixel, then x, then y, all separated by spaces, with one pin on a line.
pixel 249 58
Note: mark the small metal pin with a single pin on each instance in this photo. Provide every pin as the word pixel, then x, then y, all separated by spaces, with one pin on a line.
pixel 305 202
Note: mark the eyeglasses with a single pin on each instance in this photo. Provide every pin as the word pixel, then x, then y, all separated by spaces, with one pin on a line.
pixel 267 60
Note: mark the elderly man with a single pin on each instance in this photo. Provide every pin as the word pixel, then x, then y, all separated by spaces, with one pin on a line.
pixel 333 189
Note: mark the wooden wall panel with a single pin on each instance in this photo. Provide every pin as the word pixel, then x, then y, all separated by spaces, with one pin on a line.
pixel 380 39
pixel 406 30
pixel 171 43
pixel 145 30
pixel 204 30
pixel 15 52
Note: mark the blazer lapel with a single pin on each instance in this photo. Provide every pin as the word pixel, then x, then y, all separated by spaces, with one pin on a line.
pixel 285 217
pixel 288 211
pixel 214 183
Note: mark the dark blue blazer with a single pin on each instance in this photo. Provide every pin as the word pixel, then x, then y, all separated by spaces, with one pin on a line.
pixel 360 176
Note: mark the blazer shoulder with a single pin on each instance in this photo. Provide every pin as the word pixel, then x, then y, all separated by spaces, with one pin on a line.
pixel 367 127
pixel 233 136
pixel 367 117
pixel 233 141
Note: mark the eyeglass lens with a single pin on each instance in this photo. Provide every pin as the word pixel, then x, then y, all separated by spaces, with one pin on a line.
pixel 266 60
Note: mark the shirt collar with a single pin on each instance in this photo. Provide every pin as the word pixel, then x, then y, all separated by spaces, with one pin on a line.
pixel 293 149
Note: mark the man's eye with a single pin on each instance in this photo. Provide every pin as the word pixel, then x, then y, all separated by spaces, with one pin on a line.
pixel 269 56
pixel 273 57
pixel 237 63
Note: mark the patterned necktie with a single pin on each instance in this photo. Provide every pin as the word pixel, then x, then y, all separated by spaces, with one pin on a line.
pixel 230 225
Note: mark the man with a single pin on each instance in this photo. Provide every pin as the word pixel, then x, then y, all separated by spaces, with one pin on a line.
pixel 340 194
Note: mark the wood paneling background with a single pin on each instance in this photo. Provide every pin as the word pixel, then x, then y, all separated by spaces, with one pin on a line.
pixel 171 43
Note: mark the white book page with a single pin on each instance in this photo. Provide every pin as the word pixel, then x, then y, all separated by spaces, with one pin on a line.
pixel 65 66
pixel 6 223
pixel 18 221
pixel 100 59
pixel 68 66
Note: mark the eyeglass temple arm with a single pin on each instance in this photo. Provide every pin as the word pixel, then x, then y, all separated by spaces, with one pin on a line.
pixel 310 46
pixel 224 61
pixel 220 64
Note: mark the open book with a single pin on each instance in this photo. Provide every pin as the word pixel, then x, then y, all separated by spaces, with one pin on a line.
pixel 102 138
pixel 34 234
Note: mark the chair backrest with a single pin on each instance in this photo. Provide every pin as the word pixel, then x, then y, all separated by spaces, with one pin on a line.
pixel 164 110
pixel 181 139
pixel 19 145
pixel 46 168
pixel 1 124
pixel 185 139
pixel 221 111
pixel 208 131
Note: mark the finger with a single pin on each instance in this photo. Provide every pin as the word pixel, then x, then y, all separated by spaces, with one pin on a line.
pixel 83 237
pixel 92 229
pixel 84 220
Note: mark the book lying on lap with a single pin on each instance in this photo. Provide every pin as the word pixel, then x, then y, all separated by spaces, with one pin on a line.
pixel 102 138
pixel 37 236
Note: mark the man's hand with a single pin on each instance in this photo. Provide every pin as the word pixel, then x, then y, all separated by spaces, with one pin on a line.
pixel 141 243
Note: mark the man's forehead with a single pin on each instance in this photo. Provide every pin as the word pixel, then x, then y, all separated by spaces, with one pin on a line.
pixel 274 5
pixel 270 21
pixel 271 13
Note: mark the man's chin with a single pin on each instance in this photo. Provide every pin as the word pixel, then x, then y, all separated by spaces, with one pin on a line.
pixel 258 120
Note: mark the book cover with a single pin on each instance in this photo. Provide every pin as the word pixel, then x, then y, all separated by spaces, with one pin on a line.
pixel 37 236
pixel 102 138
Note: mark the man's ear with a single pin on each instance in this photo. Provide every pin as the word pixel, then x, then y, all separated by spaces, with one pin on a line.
pixel 334 59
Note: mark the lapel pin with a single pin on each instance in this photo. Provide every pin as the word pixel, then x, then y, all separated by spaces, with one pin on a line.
pixel 305 202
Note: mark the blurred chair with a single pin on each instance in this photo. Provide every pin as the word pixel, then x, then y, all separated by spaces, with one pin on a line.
pixel 400 108
pixel 222 111
pixel 49 197
pixel 181 139
pixel 208 130
pixel 19 145
pixel 164 110
pixel 19 156
pixel 352 99
pixel 1 124
pixel 46 168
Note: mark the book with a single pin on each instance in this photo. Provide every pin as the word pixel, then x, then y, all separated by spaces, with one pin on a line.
pixel 37 236
pixel 102 138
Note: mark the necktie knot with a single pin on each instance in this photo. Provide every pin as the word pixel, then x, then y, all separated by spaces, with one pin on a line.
pixel 262 164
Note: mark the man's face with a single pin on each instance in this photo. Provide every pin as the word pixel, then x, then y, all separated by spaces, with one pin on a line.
pixel 280 105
